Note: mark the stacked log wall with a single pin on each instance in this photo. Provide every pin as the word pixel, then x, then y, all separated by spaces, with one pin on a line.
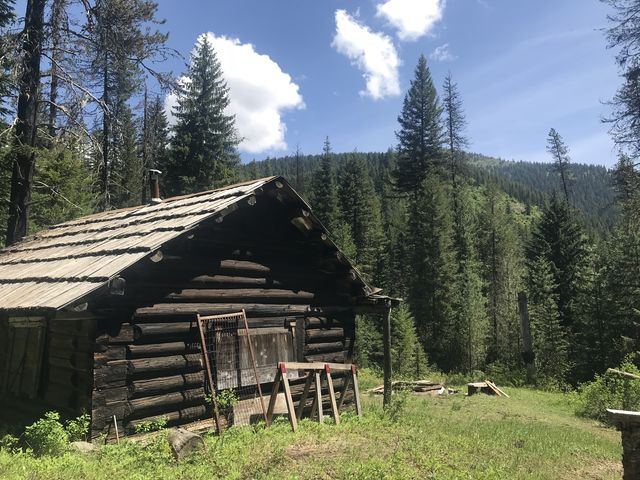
pixel 152 366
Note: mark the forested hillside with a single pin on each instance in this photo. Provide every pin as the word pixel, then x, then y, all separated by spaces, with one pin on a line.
pixel 592 188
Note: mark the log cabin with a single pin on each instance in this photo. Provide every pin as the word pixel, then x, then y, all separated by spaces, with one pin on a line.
pixel 97 314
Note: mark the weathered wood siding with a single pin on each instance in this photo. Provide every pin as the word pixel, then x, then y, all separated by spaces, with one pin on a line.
pixel 47 365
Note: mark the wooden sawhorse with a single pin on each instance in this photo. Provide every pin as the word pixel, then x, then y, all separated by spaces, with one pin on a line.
pixel 317 372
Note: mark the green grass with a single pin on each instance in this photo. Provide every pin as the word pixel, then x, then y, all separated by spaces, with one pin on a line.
pixel 532 435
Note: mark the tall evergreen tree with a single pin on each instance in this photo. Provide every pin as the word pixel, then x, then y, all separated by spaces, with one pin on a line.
pixel 155 141
pixel 408 356
pixel 468 333
pixel 7 15
pixel 420 136
pixel 550 338
pixel 500 253
pixel 62 187
pixel 323 188
pixel 454 127
pixel 119 43
pixel 561 160
pixel 560 240
pixel 127 168
pixel 624 34
pixel 432 270
pixel 621 254
pixel 359 208
pixel 204 144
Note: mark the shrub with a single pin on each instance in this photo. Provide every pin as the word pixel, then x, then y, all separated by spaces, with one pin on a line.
pixel 9 442
pixel 398 404
pixel 504 375
pixel 610 391
pixel 227 399
pixel 78 428
pixel 47 436
pixel 152 425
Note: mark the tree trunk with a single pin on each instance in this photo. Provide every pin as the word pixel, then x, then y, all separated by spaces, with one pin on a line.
pixel 56 20
pixel 183 442
pixel 106 131
pixel 26 122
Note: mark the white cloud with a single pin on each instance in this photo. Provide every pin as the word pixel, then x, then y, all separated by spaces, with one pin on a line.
pixel 412 18
pixel 259 93
pixel 373 53
pixel 442 54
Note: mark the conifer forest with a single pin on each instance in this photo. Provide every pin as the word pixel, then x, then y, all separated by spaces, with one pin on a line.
pixel 455 234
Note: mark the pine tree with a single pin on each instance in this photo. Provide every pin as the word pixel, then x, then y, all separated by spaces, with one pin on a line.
pixel 624 35
pixel 409 359
pixel 155 139
pixel 432 268
pixel 360 210
pixel 560 240
pixel 119 46
pixel 468 335
pixel 204 144
pixel 621 256
pixel 468 332
pixel 420 135
pixel 500 253
pixel 627 184
pixel 454 126
pixel 127 168
pixel 368 347
pixel 595 336
pixel 395 238
pixel 7 15
pixel 62 187
pixel 550 338
pixel 560 153
pixel 323 189
pixel 429 224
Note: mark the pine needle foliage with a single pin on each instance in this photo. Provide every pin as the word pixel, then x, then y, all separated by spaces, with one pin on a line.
pixel 203 148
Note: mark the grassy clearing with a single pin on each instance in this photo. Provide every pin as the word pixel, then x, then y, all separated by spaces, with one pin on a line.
pixel 532 435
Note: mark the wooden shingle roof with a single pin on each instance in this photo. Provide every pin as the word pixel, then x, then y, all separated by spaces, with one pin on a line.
pixel 68 261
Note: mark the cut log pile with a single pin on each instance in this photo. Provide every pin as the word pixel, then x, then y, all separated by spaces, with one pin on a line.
pixel 420 387
pixel 487 387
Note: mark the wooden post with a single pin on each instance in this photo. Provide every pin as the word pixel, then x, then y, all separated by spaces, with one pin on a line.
pixel 356 390
pixel 287 396
pixel 253 363
pixel 305 395
pixel 274 395
pixel 332 394
pixel 317 399
pixel 527 351
pixel 386 340
pixel 281 379
pixel 212 386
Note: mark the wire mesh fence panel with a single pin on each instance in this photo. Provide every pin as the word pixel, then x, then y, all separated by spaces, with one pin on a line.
pixel 232 375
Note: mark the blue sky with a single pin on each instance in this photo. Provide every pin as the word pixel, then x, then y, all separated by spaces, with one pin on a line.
pixel 522 67
pixel 296 69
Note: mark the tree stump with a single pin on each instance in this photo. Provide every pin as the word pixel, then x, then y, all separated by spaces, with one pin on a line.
pixel 183 442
